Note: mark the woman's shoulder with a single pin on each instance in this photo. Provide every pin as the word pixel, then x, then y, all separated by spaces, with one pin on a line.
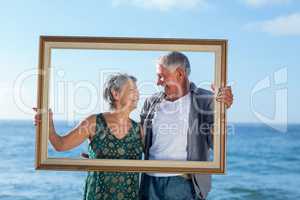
pixel 91 123
pixel 89 120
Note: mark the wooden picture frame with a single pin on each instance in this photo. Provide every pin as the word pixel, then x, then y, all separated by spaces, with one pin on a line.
pixel 47 43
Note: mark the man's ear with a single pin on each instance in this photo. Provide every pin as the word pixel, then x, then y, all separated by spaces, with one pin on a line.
pixel 180 73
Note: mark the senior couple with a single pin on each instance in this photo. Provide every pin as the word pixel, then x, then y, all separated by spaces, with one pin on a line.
pixel 169 130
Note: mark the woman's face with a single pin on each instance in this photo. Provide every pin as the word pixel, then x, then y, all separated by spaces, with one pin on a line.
pixel 129 96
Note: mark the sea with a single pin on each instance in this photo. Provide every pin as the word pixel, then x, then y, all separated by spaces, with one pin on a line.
pixel 262 164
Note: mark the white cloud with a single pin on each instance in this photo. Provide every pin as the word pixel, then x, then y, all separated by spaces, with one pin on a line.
pixel 288 25
pixel 162 5
pixel 262 3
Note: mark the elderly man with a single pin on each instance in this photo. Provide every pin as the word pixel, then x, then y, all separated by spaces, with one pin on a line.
pixel 171 121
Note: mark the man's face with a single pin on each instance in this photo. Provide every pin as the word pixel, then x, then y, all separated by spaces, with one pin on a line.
pixel 168 79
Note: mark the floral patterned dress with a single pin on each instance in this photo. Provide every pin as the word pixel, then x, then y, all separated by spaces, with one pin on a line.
pixel 104 145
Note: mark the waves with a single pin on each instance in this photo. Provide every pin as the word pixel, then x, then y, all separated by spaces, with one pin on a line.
pixel 262 164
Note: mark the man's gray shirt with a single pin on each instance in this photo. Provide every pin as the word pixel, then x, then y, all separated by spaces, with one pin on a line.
pixel 199 133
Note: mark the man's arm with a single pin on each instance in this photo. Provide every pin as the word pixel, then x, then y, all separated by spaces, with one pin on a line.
pixel 210 122
pixel 143 116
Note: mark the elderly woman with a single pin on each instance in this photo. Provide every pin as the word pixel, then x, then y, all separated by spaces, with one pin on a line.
pixel 112 135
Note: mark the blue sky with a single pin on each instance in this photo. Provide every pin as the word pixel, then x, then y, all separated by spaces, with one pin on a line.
pixel 264 38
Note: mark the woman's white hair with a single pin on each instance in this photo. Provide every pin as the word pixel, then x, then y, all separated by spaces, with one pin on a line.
pixel 115 82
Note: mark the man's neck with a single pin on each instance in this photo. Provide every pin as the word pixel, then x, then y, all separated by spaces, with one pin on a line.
pixel 184 91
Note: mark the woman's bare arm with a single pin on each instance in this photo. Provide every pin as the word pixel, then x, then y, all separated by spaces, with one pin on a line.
pixel 85 129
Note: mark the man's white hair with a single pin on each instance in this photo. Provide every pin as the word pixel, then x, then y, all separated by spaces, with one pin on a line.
pixel 176 59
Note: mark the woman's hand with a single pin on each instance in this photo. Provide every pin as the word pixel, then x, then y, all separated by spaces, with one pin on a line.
pixel 37 116
pixel 54 138
pixel 84 155
pixel 85 129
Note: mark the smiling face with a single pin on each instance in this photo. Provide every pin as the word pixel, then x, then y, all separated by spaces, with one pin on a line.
pixel 128 96
pixel 170 79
